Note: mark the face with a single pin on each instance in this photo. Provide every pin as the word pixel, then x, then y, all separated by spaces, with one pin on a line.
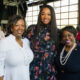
pixel 18 28
pixel 30 34
pixel 46 16
pixel 47 37
pixel 68 38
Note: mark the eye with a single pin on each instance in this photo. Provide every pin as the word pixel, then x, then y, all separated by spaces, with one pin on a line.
pixel 23 25
pixel 42 14
pixel 49 14
pixel 16 25
pixel 69 35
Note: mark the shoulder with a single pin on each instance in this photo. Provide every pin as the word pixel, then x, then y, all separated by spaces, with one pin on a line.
pixel 5 40
pixel 4 43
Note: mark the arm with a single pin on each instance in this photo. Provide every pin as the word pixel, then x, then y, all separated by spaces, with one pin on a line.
pixel 1 78
pixel 2 58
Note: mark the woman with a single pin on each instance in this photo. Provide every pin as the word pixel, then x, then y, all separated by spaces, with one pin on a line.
pixel 42 67
pixel 78 34
pixel 2 35
pixel 67 59
pixel 15 52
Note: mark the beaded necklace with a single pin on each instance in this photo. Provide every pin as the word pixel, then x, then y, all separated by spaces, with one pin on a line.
pixel 63 60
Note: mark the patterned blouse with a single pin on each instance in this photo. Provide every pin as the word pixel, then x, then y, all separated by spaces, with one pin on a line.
pixel 42 67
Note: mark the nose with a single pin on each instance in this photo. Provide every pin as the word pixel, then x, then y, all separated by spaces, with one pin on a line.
pixel 45 16
pixel 19 27
pixel 67 37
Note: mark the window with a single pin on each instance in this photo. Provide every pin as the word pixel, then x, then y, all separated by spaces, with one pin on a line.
pixel 32 15
pixel 66 13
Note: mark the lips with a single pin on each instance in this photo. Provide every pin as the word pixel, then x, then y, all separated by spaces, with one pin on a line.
pixel 68 41
pixel 45 20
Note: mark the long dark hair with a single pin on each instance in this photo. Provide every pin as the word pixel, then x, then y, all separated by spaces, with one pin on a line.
pixel 52 26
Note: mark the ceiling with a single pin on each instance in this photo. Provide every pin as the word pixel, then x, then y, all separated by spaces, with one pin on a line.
pixel 36 2
pixel 29 2
pixel 10 7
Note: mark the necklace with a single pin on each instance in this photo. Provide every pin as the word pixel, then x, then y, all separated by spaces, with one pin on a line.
pixel 63 60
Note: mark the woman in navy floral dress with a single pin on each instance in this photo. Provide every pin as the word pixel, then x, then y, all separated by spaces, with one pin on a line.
pixel 43 37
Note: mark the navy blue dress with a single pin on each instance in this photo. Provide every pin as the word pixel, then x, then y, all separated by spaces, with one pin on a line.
pixel 71 70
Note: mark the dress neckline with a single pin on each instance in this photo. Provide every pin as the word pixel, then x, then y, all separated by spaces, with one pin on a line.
pixel 16 43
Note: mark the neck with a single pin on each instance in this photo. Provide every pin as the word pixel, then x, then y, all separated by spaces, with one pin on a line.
pixel 67 48
pixel 45 25
pixel 19 41
pixel 18 38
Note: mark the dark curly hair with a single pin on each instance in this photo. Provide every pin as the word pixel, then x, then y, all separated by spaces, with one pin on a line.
pixel 70 29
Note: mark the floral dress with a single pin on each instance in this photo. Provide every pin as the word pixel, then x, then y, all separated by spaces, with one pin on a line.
pixel 42 67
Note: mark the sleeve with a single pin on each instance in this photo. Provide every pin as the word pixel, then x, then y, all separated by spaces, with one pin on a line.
pixel 2 58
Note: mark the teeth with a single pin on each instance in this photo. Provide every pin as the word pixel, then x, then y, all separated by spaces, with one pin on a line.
pixel 19 31
pixel 68 41
pixel 45 20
